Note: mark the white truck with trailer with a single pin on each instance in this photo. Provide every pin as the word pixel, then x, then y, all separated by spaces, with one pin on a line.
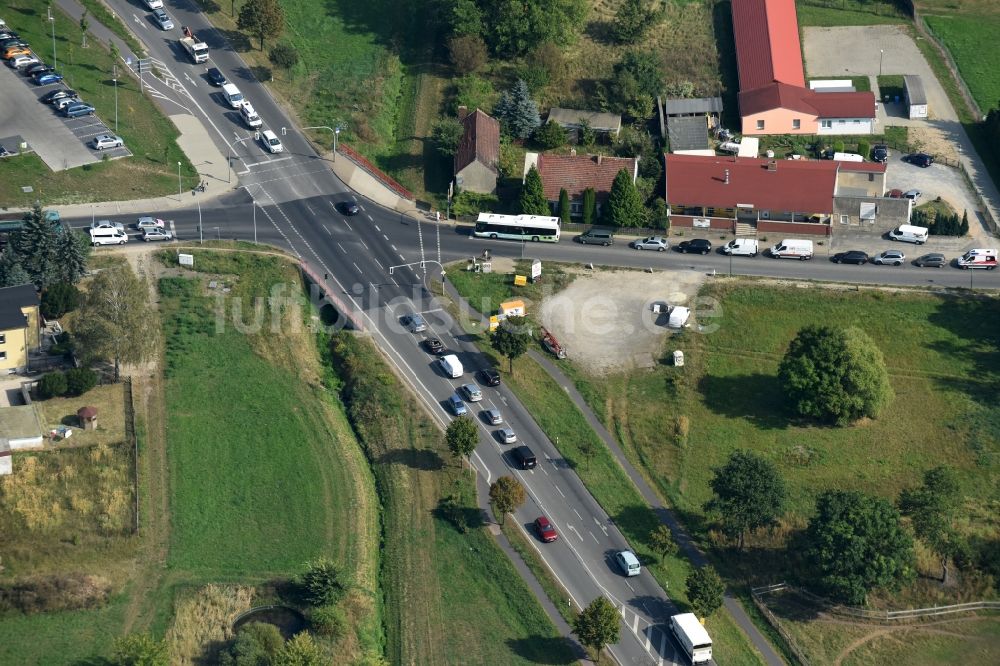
pixel 693 638
pixel 741 247
pixel 793 248
pixel 196 50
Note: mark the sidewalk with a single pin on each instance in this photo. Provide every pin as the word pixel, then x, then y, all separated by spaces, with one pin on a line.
pixel 688 548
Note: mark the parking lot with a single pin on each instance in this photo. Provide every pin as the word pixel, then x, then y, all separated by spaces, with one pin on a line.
pixel 62 143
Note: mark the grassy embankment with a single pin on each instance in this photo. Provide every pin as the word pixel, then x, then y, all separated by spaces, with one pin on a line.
pixel 451 595
pixel 152 171
pixel 583 449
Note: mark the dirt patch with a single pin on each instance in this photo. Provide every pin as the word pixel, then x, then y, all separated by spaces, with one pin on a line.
pixel 932 140
pixel 605 321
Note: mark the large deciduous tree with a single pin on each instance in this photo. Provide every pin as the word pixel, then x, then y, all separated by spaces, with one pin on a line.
pixel 115 323
pixel 262 18
pixel 532 200
pixel 511 339
pixel 749 494
pixel 598 625
pixel 856 543
pixel 662 541
pixel 704 590
pixel 517 112
pixel 467 53
pixel 447 135
pixel 624 207
pixel 635 83
pixel 835 375
pixel 462 436
pixel 506 495
pixel 255 643
pixel 932 509
pixel 512 28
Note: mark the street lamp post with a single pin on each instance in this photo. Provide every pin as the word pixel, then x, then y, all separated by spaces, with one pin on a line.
pixel 881 52
pixel 178 181
pixel 254 222
pixel 52 20
pixel 114 77
pixel 336 132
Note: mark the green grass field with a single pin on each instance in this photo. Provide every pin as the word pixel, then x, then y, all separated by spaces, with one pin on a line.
pixel 965 36
pixel 847 12
pixel 152 171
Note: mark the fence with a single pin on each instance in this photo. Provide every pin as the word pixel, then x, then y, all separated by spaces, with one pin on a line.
pixel 366 165
pixel 877 615
pixel 776 624
pixel 342 308
pixel 131 438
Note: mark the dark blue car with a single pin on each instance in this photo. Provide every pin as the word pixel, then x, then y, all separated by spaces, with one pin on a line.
pixel 48 78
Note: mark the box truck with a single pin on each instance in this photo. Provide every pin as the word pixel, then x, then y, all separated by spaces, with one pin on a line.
pixel 196 50
pixel 693 638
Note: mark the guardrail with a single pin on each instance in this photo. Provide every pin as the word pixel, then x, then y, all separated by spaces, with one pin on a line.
pixel 877 615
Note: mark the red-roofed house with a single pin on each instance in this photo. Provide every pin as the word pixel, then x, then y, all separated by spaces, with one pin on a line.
pixel 786 196
pixel 478 154
pixel 773 95
pixel 575 173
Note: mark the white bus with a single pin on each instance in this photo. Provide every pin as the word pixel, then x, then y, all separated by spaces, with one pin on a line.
pixel 517 227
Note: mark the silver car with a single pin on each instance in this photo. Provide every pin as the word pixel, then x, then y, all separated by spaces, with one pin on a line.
pixel 894 257
pixel 493 416
pixel 658 243
pixel 506 435
pixel 414 323
pixel 472 392
pixel 162 20
pixel 147 222
pixel 156 235
pixel 103 141
pixel 107 224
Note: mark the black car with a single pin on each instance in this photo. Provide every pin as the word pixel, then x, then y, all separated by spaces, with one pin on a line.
pixel 695 245
pixel 11 41
pixel 53 95
pixel 524 457
pixel 922 160
pixel 851 257
pixel 215 77
pixel 433 345
pixel 348 208
pixel 933 260
pixel 880 153
pixel 37 69
pixel 490 377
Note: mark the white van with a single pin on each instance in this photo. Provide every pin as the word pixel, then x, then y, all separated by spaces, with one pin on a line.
pixel 793 248
pixel 628 562
pixel 451 366
pixel 979 258
pixel 741 247
pixel 250 116
pixel 107 236
pixel 848 157
pixel 909 234
pixel 233 95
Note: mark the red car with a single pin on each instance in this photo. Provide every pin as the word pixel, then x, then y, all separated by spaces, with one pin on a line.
pixel 894 194
pixel 546 532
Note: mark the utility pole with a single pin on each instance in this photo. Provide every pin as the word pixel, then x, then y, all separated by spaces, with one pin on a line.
pixel 254 222
pixel 114 77
pixel 179 182
pixel 201 236
pixel 52 20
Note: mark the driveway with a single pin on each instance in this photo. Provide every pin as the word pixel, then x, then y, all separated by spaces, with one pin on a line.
pixel 855 51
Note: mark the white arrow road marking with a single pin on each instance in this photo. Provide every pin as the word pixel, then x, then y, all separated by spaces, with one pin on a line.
pixel 140 22
pixel 570 527
pixel 190 79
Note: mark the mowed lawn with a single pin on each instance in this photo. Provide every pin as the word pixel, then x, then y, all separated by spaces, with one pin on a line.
pixel 971 39
pixel 942 354
pixel 258 480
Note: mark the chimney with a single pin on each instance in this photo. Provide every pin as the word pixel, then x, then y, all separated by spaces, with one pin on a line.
pixel 772 165
pixel 572 152
pixel 463 111
pixel 726 182
pixel 600 158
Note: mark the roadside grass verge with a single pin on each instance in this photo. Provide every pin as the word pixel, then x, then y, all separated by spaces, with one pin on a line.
pixel 451 595
pixel 152 171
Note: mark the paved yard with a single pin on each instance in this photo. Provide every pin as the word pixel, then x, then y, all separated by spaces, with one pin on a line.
pixel 855 51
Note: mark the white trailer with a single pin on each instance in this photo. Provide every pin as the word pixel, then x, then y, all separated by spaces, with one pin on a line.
pixel 693 638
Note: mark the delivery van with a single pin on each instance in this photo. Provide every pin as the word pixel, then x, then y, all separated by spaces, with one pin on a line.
pixel 793 248
pixel 107 236
pixel 979 258
pixel 909 233
pixel 232 95
pixel 741 247
pixel 451 366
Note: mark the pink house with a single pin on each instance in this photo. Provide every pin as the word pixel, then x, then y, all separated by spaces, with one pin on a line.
pixel 774 98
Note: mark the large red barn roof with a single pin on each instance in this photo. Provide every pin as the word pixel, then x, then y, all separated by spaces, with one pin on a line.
pixel 767 43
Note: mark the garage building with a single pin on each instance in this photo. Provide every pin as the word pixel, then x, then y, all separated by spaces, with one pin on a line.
pixel 916 98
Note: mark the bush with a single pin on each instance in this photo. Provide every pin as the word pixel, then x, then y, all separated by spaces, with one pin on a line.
pixel 51 385
pixel 838 146
pixel 284 56
pixel 321 583
pixel 468 53
pixel 80 380
pixel 864 149
pixel 473 203
pixel 329 621
pixel 551 135
pixel 64 345
pixel 58 299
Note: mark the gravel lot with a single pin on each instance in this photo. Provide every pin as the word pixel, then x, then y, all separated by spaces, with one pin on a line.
pixel 605 321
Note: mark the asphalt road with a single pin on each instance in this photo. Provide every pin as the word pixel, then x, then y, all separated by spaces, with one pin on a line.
pixel 372 261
